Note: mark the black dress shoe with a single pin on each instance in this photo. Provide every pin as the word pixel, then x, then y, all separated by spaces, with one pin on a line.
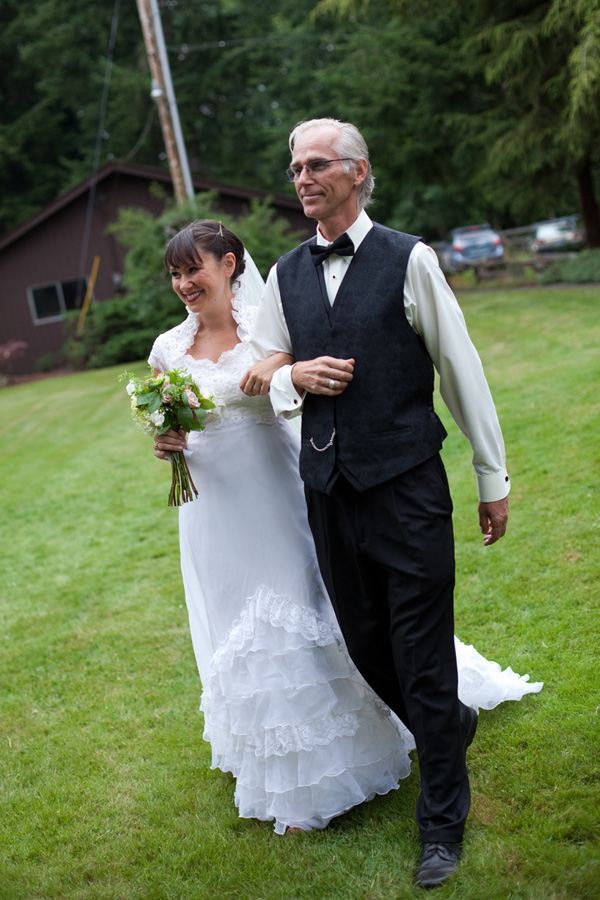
pixel 438 862
pixel 468 726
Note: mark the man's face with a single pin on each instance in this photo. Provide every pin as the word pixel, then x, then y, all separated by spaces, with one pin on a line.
pixel 331 194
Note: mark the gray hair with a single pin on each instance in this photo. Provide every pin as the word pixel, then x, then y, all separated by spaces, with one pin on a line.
pixel 350 143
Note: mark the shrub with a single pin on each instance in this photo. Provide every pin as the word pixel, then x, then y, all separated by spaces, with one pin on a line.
pixel 48 362
pixel 120 330
pixel 583 268
pixel 10 351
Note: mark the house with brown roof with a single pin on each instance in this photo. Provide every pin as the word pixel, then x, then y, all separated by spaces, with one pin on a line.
pixel 42 273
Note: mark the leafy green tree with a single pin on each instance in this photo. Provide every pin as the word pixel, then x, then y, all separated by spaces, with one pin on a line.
pixel 487 110
pixel 544 59
pixel 53 62
pixel 399 86
pixel 243 75
pixel 255 72
pixel 505 95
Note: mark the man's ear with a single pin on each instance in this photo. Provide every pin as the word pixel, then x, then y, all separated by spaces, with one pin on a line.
pixel 362 170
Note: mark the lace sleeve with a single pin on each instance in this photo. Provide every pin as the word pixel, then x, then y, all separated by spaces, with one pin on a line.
pixel 156 358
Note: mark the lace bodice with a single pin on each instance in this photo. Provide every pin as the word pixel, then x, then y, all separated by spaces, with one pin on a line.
pixel 217 380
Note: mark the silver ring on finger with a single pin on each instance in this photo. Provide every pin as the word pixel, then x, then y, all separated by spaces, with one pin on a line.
pixel 331 384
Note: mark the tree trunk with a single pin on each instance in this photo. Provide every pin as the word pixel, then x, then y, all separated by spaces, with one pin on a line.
pixel 588 204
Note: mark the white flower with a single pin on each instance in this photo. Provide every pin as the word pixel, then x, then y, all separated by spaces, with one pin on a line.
pixel 130 388
pixel 158 418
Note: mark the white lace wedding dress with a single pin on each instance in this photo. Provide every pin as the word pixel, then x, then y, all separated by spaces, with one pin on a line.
pixel 284 708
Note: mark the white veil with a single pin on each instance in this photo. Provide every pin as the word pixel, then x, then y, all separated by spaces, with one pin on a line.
pixel 251 281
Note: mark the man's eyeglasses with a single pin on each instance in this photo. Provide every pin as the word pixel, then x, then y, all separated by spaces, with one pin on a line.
pixel 314 167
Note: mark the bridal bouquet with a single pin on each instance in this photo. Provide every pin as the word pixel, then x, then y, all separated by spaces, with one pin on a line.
pixel 169 400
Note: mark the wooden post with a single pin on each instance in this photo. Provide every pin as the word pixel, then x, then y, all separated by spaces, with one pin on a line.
pixel 88 295
pixel 162 92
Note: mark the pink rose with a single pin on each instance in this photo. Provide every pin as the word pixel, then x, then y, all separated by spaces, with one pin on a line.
pixel 192 399
pixel 166 394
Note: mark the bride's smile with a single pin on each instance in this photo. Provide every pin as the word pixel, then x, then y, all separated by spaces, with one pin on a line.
pixel 202 282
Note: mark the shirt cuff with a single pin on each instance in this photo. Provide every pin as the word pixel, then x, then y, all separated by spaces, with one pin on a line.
pixel 494 486
pixel 285 399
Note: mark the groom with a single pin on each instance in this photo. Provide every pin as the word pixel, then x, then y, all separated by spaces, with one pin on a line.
pixel 367 314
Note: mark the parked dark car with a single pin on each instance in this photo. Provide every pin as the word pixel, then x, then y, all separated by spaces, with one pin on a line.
pixel 552 237
pixel 470 245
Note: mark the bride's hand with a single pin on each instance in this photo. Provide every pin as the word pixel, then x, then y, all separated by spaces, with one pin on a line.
pixel 257 379
pixel 169 442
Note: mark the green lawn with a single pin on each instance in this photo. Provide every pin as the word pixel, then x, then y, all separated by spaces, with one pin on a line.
pixel 106 789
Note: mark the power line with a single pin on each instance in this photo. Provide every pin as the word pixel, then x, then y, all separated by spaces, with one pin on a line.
pixel 237 42
pixel 144 134
pixel 100 135
pixel 274 39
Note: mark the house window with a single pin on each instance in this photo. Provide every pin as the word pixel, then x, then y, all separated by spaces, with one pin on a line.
pixel 48 302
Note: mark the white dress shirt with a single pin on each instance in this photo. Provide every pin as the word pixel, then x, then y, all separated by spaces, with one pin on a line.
pixel 434 314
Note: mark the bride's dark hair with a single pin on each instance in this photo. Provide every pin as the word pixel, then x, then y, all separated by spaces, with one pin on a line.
pixel 204 236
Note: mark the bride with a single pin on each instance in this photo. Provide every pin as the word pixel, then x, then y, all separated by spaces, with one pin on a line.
pixel 285 710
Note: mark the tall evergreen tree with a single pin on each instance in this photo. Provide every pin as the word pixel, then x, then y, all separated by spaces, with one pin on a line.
pixel 544 59
pixel 53 63
pixel 517 105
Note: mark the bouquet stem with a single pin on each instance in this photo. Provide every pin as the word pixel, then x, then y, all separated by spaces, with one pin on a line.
pixel 182 485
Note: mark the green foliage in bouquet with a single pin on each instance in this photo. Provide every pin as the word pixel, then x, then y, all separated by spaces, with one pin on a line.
pixel 164 402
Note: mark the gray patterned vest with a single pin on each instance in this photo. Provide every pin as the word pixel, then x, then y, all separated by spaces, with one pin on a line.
pixel 384 422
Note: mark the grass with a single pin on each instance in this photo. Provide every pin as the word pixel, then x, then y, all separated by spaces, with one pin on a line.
pixel 500 280
pixel 106 790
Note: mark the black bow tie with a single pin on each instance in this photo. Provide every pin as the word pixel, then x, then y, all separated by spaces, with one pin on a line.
pixel 343 246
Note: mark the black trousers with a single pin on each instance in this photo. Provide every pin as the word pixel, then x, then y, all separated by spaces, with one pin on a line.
pixel 387 558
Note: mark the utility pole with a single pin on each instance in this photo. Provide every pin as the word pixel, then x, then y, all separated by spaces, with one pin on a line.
pixel 162 91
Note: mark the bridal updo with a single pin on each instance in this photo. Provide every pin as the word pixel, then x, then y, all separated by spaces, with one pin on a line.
pixel 204 236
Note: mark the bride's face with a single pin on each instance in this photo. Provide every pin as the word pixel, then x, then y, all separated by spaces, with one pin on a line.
pixel 204 282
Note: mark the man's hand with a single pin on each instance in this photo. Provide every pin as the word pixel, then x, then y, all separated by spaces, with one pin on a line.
pixel 324 375
pixel 257 379
pixel 492 520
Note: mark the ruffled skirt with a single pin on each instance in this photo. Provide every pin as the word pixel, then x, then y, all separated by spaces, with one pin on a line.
pixel 287 713
pixel 285 710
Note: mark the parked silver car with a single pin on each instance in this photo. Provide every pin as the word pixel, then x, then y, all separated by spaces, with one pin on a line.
pixel 561 234
pixel 470 245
